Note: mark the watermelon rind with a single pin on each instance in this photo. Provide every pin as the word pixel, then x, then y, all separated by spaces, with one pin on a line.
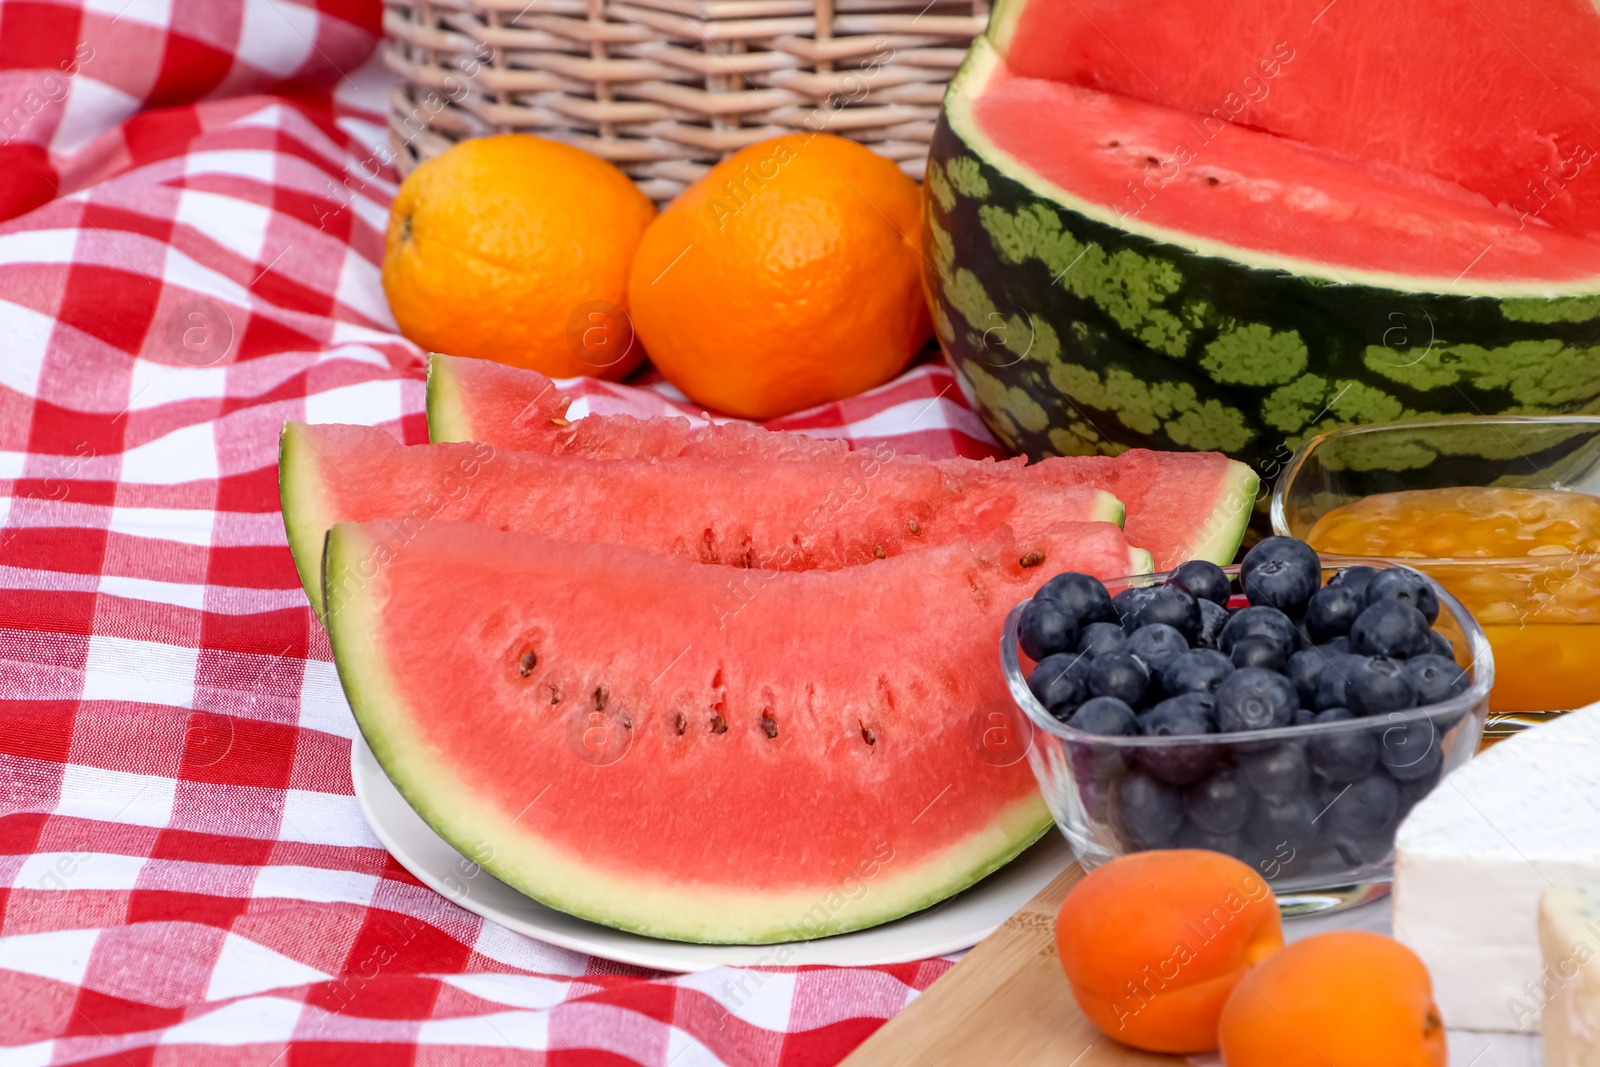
pixel 447 418
pixel 554 876
pixel 1159 339
pixel 306 514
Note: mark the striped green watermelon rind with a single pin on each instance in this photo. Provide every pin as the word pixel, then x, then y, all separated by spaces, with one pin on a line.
pixel 1072 335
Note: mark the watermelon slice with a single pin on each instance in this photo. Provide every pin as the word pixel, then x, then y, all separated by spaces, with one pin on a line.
pixel 608 743
pixel 1180 506
pixel 476 400
pixel 1185 224
pixel 1498 102
pixel 824 513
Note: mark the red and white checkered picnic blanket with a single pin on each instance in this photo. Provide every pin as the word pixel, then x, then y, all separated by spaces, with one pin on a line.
pixel 196 204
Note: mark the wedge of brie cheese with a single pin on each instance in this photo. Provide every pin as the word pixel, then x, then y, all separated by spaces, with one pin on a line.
pixel 1472 859
pixel 1569 941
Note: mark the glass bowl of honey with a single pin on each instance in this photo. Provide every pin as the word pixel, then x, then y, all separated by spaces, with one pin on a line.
pixel 1503 511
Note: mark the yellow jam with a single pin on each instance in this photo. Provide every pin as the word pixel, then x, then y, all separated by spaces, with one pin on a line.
pixel 1536 591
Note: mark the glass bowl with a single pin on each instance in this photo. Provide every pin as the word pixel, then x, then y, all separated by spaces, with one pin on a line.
pixel 1539 612
pixel 1091 783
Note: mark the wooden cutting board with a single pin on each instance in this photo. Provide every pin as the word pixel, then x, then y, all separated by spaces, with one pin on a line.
pixel 1006 1002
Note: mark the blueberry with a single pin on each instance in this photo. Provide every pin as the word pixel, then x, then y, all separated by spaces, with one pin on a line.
pixel 1202 580
pixel 1170 606
pixel 1360 851
pixel 1354 578
pixel 1083 595
pixel 1189 715
pixel 1440 645
pixel 1367 808
pixel 1100 638
pixel 1303 717
pixel 1305 669
pixel 1150 812
pixel 1390 628
pixel 1336 644
pixel 1157 644
pixel 1221 804
pixel 1344 756
pixel 1278 772
pixel 1119 675
pixel 1199 670
pixel 1105 716
pixel 1333 683
pixel 1046 629
pixel 1437 679
pixel 1406 586
pixel 1128 603
pixel 1414 789
pixel 1410 751
pixel 1332 610
pixel 1259 651
pixel 1260 622
pixel 1281 572
pixel 1254 699
pixel 1213 617
pixel 1378 685
pixel 1290 822
pixel 1060 682
pixel 1233 844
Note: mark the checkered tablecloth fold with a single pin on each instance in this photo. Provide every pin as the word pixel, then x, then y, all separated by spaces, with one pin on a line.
pixel 196 193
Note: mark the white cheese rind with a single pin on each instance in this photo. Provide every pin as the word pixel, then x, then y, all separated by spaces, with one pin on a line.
pixel 1472 859
pixel 1569 940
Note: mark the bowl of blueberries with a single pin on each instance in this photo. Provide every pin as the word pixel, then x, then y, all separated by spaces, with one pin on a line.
pixel 1282 712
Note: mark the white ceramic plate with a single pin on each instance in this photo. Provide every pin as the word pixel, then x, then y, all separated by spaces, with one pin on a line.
pixel 958 923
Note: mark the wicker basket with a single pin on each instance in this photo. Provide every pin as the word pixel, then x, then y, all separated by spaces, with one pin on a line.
pixel 665 88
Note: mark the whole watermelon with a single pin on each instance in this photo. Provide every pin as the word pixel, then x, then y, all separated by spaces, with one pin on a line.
pixel 1078 322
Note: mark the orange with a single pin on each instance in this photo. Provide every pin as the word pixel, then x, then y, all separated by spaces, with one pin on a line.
pixel 786 277
pixel 516 249
pixel 1344 999
pixel 1153 943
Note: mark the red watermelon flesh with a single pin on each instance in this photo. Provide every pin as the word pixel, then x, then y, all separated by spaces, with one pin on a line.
pixel 824 513
pixel 621 751
pixel 1166 173
pixel 1497 97
pixel 1180 505
pixel 478 400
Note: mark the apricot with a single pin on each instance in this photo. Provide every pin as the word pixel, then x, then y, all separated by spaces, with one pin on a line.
pixel 1153 943
pixel 1344 999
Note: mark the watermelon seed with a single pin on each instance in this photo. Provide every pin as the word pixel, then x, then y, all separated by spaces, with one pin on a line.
pixel 769 725
pixel 1152 160
pixel 681 722
pixel 719 725
pixel 878 552
pixel 555 693
pixel 559 421
pixel 916 528
pixel 1213 181
pixel 530 660
pixel 600 696
pixel 1113 144
pixel 867 735
pixel 1032 559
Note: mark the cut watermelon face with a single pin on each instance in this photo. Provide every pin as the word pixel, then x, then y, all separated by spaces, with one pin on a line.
pixel 1253 196
pixel 821 514
pixel 811 764
pixel 1493 98
pixel 1185 505
pixel 509 407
